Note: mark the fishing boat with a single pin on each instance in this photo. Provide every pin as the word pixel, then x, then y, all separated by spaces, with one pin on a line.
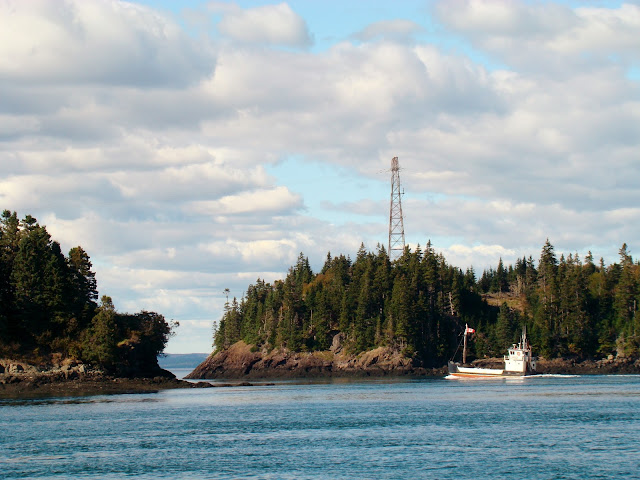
pixel 519 362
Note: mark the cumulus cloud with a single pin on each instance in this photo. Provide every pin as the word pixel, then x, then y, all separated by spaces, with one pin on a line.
pixel 398 30
pixel 278 199
pixel 547 36
pixel 602 30
pixel 186 183
pixel 105 41
pixel 505 19
pixel 481 257
pixel 153 150
pixel 268 25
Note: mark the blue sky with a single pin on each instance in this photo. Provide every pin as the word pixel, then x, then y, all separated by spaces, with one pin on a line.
pixel 195 146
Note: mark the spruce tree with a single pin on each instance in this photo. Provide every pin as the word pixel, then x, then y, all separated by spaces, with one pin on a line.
pixel 625 304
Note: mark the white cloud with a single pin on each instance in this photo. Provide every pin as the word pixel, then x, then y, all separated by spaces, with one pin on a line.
pixel 269 24
pixel 547 36
pixel 481 257
pixel 186 183
pixel 11 126
pixel 274 200
pixel 508 18
pixel 602 30
pixel 104 41
pixel 389 29
pixel 283 250
pixel 117 133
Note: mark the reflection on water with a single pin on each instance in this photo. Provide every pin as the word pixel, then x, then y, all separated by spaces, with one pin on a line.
pixel 132 398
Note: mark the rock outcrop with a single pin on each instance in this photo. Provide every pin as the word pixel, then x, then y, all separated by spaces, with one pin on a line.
pixel 245 361
pixel 67 376
pixel 242 360
pixel 605 366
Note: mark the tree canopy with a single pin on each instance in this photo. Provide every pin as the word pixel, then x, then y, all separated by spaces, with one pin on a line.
pixel 416 304
pixel 48 304
pixel 420 304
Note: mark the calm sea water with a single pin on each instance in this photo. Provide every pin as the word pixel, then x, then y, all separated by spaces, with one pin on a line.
pixel 547 427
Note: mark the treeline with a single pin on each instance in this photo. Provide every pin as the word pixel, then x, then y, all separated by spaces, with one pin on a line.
pixel 416 304
pixel 420 304
pixel 48 304
pixel 573 306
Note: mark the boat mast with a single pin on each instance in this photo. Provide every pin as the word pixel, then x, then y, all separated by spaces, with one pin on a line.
pixel 464 348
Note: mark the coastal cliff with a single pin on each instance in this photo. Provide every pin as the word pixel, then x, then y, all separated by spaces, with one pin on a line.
pixel 243 360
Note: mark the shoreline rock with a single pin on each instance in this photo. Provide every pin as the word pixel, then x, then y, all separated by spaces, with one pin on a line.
pixel 14 387
pixel 56 386
pixel 241 361
pixel 613 366
pixel 69 378
pixel 21 380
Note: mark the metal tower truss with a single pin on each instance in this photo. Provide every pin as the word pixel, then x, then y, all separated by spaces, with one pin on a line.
pixel 396 223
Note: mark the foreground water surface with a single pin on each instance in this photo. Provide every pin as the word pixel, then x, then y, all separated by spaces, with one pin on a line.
pixel 547 427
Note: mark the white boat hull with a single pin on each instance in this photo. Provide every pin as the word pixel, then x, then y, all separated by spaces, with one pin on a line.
pixel 456 370
pixel 518 363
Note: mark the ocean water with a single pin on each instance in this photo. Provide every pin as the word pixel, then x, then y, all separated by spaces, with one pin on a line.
pixel 546 427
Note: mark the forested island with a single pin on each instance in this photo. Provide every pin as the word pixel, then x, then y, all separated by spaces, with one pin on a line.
pixel 368 314
pixel 51 324
pixel 418 305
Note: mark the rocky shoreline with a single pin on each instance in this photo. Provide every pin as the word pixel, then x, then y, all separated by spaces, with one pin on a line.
pixel 242 361
pixel 19 379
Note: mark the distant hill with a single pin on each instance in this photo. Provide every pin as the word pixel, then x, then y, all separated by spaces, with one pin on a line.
pixel 181 360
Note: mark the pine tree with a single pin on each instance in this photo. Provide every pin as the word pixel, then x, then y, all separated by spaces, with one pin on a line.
pixel 9 240
pixel 626 303
pixel 546 314
pixel 99 344
pixel 400 312
pixel 500 283
pixel 507 326
pixel 38 281
pixel 83 284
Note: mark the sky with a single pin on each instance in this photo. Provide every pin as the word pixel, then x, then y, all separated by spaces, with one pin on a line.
pixel 195 146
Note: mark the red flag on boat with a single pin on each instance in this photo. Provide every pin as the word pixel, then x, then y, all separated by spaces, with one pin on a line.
pixel 470 330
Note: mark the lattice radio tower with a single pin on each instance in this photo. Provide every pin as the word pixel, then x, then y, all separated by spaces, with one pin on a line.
pixel 396 223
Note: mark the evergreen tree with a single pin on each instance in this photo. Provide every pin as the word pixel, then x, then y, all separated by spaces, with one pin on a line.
pixel 546 315
pixel 33 279
pixel 417 303
pixel 83 285
pixel 507 326
pixel 47 304
pixel 99 344
pixel 9 240
pixel 500 283
pixel 400 313
pixel 625 305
